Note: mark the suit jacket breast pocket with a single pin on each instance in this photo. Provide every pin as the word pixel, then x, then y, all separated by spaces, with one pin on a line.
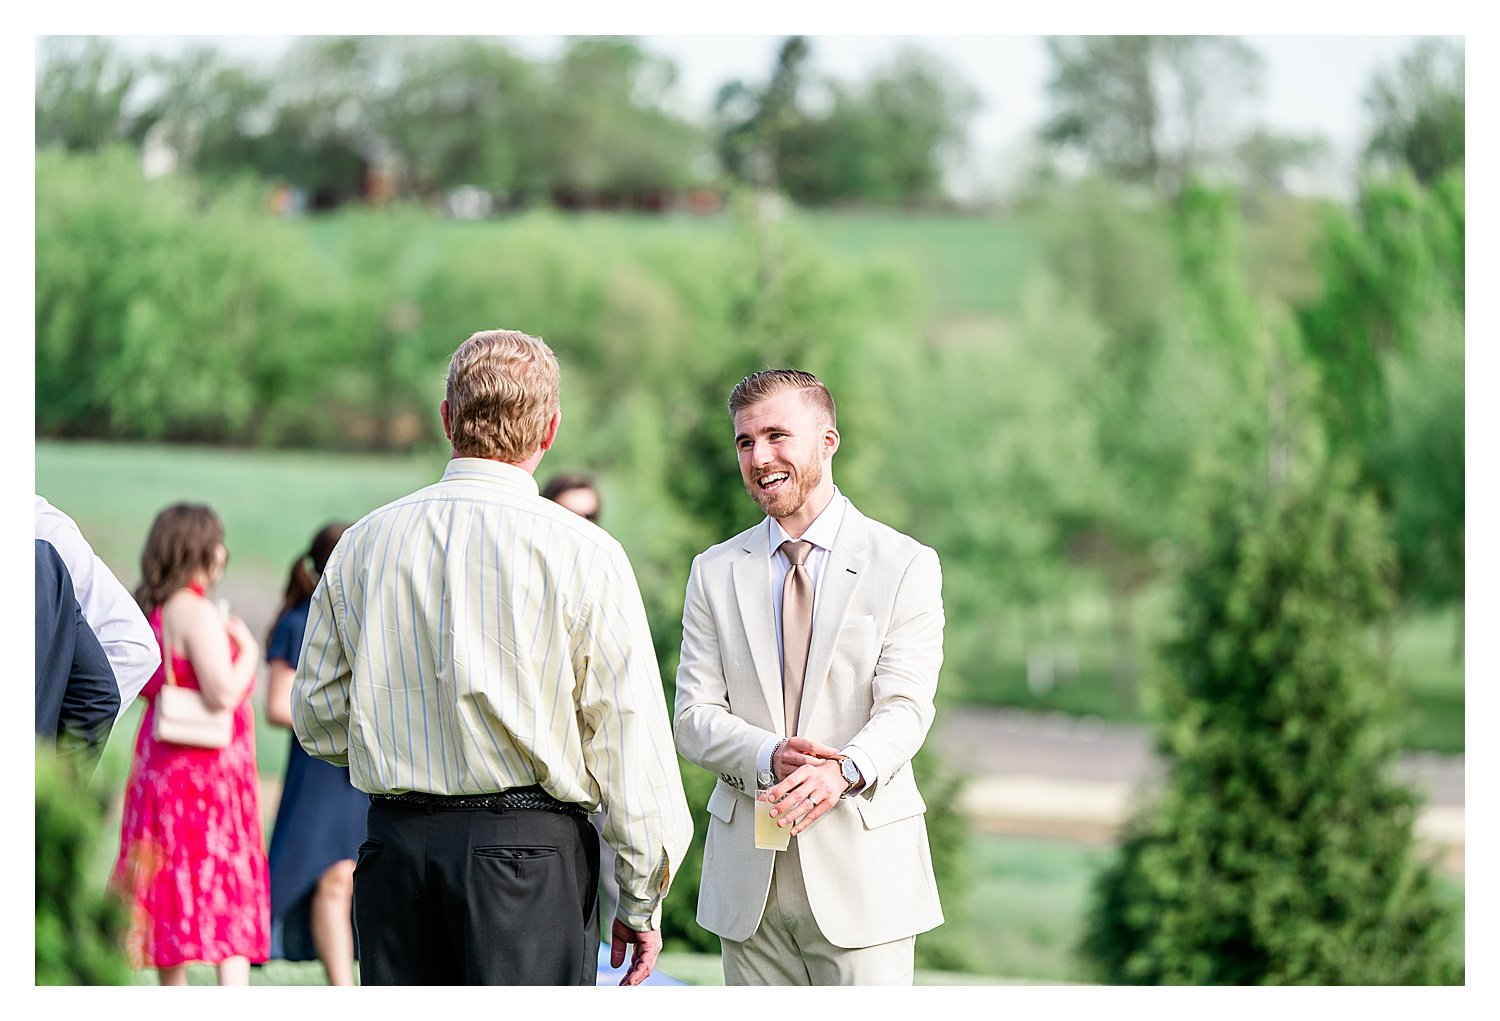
pixel 857 631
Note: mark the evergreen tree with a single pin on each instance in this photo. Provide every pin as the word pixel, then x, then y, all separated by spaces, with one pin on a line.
pixel 1280 850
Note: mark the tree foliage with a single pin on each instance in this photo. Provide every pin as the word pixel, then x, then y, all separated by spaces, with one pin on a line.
pixel 342 117
pixel 1150 110
pixel 601 123
pixel 82 89
pixel 1280 851
pixel 884 141
pixel 1418 111
pixel 1387 338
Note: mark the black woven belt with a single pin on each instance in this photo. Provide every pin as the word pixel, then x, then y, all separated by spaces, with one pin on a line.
pixel 515 798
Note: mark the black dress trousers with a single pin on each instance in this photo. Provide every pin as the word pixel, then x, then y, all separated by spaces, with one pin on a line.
pixel 476 896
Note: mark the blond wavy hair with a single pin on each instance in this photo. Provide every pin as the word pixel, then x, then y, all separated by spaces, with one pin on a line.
pixel 503 389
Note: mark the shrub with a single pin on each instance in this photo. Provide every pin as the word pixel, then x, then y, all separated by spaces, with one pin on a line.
pixel 1280 851
pixel 80 928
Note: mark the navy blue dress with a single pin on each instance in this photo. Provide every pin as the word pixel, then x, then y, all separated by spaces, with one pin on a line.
pixel 321 820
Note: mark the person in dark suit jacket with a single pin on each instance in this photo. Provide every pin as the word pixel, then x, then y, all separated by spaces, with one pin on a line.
pixel 76 694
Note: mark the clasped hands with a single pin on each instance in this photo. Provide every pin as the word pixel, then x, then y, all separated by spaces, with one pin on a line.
pixel 809 783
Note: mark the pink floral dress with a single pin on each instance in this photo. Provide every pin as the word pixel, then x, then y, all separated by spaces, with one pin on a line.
pixel 192 860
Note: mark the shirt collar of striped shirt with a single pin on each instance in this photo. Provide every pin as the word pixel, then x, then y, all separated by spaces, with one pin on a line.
pixel 482 468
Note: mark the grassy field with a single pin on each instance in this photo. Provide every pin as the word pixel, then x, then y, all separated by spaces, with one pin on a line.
pixel 271 503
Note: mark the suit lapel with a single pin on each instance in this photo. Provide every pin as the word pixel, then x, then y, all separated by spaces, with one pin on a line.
pixel 752 591
pixel 846 566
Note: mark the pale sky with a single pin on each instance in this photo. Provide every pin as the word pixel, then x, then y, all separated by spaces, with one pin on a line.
pixel 1312 83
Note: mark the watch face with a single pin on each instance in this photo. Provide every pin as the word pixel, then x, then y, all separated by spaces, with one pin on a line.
pixel 850 771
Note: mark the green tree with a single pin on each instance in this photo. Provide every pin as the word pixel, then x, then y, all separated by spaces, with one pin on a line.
pixel 1117 261
pixel 752 123
pixel 1266 158
pixel 1393 306
pixel 219 325
pixel 1280 851
pixel 887 140
pixel 1150 110
pixel 1421 455
pixel 465 112
pixel 1418 111
pixel 328 100
pixel 608 127
pixel 83 89
pixel 212 112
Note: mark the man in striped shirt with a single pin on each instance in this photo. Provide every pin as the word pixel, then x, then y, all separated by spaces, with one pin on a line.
pixel 479 658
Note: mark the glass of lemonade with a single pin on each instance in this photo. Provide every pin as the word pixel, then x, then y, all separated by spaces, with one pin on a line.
pixel 768 835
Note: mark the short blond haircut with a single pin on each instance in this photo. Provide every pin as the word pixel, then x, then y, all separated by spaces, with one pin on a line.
pixel 503 389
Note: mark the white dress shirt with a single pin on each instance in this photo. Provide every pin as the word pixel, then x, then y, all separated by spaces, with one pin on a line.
pixel 822 533
pixel 473 637
pixel 128 641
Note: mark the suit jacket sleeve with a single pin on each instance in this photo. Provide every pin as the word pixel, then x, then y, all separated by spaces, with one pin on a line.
pixel 77 698
pixel 91 698
pixel 906 674
pixel 708 732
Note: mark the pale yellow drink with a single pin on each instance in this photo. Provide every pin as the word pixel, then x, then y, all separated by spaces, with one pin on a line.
pixel 768 835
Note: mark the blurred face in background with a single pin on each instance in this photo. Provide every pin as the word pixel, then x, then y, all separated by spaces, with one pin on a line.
pixel 582 501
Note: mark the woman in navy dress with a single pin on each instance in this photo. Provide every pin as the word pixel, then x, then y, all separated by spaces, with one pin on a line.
pixel 321 821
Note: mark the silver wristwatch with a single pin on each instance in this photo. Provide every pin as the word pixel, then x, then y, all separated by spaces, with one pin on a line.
pixel 851 774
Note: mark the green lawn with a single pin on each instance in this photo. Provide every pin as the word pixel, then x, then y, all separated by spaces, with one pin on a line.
pixel 974 265
pixel 271 502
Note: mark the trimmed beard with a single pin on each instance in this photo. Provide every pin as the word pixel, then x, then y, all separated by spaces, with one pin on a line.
pixel 800 483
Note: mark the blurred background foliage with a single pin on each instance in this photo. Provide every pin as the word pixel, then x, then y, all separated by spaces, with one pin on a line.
pixel 1051 389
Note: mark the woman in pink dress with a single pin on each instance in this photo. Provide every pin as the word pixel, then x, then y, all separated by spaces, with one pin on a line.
pixel 192 860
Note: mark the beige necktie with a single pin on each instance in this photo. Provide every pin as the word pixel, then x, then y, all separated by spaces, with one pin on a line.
pixel 796 628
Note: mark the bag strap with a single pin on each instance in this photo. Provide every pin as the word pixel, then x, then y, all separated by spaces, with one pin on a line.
pixel 166 647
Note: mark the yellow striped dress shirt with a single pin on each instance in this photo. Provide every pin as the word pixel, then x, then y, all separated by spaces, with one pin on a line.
pixel 473 637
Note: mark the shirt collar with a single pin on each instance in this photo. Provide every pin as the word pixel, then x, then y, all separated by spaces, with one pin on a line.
pixel 484 469
pixel 822 532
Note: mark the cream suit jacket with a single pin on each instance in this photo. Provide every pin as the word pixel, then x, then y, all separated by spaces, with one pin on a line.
pixel 872 671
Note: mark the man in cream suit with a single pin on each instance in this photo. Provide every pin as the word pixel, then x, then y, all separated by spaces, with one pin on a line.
pixel 826 713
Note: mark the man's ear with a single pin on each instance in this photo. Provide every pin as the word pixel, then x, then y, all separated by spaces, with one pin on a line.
pixel 830 441
pixel 447 429
pixel 551 435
